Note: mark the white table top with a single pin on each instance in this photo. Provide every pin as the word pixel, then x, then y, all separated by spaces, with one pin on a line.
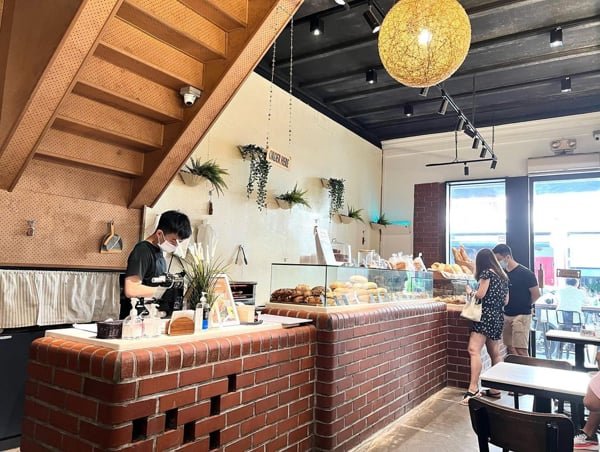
pixel 539 378
pixel 571 336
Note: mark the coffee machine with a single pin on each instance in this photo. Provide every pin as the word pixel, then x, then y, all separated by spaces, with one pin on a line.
pixel 172 298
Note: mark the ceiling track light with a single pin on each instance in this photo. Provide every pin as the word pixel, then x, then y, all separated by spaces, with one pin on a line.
pixel 443 106
pixel 475 143
pixel 317 27
pixel 372 20
pixel 556 37
pixel 494 163
pixel 466 170
pixel 424 91
pixel 408 110
pixel 565 85
pixel 460 124
pixel 371 76
pixel 469 132
pixel 483 152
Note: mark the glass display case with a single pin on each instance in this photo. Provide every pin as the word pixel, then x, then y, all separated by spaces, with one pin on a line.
pixel 452 288
pixel 324 285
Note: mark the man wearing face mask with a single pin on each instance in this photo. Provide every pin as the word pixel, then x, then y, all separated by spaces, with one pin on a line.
pixel 522 294
pixel 147 260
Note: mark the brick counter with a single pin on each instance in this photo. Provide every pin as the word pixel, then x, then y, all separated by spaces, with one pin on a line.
pixel 373 366
pixel 246 392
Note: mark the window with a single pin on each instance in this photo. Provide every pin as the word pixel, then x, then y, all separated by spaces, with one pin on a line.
pixel 476 216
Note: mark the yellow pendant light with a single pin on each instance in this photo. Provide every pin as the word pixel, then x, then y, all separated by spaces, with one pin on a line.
pixel 423 42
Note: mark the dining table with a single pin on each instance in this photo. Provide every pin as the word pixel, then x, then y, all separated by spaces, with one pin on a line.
pixel 542 382
pixel 580 341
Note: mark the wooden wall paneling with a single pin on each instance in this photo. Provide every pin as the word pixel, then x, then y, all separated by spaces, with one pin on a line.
pixel 131 92
pixel 58 80
pixel 87 116
pixel 29 35
pixel 127 46
pixel 68 231
pixel 77 150
pixel 227 14
pixel 177 25
pixel 147 189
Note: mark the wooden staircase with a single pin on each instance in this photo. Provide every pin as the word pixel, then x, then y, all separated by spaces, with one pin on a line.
pixel 94 85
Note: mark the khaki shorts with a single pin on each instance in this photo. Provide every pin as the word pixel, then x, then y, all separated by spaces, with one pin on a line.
pixel 516 331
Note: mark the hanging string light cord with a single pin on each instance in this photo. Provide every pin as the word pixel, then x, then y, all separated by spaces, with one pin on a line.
pixel 271 95
pixel 291 85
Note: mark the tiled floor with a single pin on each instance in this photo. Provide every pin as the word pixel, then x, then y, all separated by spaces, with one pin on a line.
pixel 439 424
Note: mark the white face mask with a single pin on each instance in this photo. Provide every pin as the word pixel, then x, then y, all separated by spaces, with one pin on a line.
pixel 504 264
pixel 167 246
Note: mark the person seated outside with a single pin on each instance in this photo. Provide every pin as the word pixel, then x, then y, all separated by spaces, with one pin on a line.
pixel 571 299
pixel 586 438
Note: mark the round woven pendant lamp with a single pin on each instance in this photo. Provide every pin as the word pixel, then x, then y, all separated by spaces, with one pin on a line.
pixel 423 42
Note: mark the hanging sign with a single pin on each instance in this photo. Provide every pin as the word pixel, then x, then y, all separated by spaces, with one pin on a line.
pixel 278 159
pixel 568 273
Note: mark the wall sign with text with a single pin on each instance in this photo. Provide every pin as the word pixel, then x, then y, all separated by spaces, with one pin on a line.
pixel 279 159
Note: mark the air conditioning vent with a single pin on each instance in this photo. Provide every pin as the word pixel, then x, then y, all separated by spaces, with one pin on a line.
pixel 573 163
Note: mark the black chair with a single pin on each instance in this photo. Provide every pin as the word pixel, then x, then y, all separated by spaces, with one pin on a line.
pixel 568 321
pixel 539 404
pixel 518 430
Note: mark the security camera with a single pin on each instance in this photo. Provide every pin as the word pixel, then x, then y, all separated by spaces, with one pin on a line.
pixel 190 95
pixel 596 135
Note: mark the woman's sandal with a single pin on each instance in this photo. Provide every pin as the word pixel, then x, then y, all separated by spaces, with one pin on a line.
pixel 468 396
pixel 493 395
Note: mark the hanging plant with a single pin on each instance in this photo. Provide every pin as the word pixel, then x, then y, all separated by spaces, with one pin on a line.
pixel 352 214
pixel 259 172
pixel 209 170
pixel 382 222
pixel 336 195
pixel 288 199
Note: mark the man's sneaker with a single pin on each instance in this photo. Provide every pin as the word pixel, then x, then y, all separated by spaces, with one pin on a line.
pixel 584 442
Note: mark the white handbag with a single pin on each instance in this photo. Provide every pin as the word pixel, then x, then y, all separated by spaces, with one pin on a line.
pixel 472 310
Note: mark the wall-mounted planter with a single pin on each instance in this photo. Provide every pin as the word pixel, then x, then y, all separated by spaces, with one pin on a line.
pixel 345 219
pixel 193 180
pixel 283 204
pixel 325 182
pixel 377 226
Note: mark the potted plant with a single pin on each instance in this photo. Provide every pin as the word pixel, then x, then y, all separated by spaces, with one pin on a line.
pixel 352 215
pixel 210 171
pixel 335 188
pixel 200 275
pixel 259 172
pixel 288 199
pixel 382 222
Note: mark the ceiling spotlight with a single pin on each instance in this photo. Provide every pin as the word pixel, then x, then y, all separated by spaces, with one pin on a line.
pixel 475 143
pixel 565 85
pixel 341 2
pixel 443 106
pixel 424 91
pixel 317 27
pixel 483 152
pixel 469 132
pixel 556 38
pixel 408 110
pixel 466 170
pixel 460 123
pixel 372 20
pixel 371 76
pixel 494 163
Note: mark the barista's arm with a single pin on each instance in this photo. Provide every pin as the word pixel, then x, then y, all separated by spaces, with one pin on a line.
pixel 135 289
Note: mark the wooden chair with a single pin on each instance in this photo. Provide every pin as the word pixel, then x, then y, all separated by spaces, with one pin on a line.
pixel 539 404
pixel 519 430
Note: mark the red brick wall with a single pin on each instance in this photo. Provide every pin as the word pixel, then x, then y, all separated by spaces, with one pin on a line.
pixel 429 222
pixel 373 367
pixel 250 392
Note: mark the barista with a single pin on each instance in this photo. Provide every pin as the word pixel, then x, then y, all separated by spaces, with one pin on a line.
pixel 147 260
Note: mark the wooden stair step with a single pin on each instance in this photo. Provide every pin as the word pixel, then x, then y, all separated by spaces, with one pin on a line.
pixel 68 148
pixel 128 47
pixel 178 26
pixel 227 14
pixel 110 84
pixel 90 118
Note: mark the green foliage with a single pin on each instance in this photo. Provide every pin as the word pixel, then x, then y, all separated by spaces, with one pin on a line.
pixel 383 220
pixel 259 172
pixel 355 213
pixel 211 171
pixel 201 276
pixel 336 195
pixel 295 196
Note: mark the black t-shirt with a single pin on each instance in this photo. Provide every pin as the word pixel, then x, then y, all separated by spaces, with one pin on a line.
pixel 519 297
pixel 146 261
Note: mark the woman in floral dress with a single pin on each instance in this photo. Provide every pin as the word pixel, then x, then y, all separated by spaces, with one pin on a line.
pixel 493 293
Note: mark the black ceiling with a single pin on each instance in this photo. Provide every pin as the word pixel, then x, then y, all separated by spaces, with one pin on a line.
pixel 516 74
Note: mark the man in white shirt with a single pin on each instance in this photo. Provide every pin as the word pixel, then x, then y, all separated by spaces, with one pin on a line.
pixel 570 298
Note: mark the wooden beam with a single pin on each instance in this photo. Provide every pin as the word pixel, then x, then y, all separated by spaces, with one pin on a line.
pixel 178 26
pixel 264 29
pixel 52 88
pixel 227 14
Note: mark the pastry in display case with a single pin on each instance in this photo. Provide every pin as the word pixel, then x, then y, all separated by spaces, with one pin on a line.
pixel 450 282
pixel 325 286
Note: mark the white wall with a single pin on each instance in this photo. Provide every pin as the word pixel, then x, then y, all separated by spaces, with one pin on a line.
pixel 320 149
pixel 405 159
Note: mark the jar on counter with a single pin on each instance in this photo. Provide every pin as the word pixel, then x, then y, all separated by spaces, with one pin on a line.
pixel 342 252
